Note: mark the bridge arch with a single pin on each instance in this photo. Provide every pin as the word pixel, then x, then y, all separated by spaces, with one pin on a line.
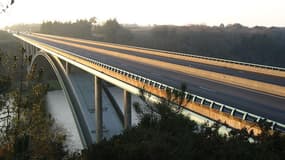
pixel 69 92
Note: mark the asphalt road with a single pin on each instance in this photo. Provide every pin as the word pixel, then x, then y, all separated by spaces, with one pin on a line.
pixel 262 104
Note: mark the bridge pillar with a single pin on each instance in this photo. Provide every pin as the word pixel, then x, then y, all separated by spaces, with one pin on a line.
pixel 127 110
pixel 34 50
pixel 98 108
pixel 24 45
pixel 29 49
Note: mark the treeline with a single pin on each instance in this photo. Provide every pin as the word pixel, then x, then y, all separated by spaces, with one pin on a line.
pixel 24 27
pixel 80 28
pixel 236 42
pixel 110 31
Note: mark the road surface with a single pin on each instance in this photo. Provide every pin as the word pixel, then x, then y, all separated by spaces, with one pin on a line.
pixel 256 102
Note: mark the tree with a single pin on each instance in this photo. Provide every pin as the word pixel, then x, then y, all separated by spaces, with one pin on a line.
pixel 27 131
pixel 93 20
pixel 80 28
pixel 5 6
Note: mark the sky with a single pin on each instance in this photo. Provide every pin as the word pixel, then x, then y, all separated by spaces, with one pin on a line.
pixel 148 12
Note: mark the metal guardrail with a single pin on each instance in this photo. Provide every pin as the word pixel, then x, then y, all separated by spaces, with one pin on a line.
pixel 192 97
pixel 189 96
pixel 231 61
pixel 204 57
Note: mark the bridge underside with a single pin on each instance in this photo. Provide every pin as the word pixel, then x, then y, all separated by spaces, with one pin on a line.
pixel 96 111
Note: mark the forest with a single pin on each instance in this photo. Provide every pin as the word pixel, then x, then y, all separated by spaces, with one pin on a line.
pixel 169 136
pixel 261 45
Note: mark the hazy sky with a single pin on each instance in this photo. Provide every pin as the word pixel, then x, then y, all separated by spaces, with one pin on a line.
pixel 144 12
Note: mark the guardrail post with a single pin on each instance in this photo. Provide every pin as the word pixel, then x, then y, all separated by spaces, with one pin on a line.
pixel 221 108
pixel 273 125
pixel 244 116
pixel 232 112
pixel 67 68
pixel 211 105
pixel 202 101
pixel 193 99
pixel 127 110
pixel 98 108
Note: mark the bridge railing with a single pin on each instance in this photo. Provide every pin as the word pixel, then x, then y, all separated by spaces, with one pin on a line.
pixel 204 102
pixel 204 57
pixel 189 96
pixel 231 61
pixel 214 59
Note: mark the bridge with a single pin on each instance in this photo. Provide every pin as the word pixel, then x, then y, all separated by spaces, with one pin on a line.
pixel 237 93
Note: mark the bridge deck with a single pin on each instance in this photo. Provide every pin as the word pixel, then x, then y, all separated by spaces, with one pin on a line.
pixel 259 103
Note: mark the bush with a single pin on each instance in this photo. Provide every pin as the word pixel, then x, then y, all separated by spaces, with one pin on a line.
pixel 173 136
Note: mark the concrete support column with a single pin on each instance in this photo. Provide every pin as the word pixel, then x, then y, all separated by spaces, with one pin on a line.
pixel 127 110
pixel 29 49
pixel 98 108
pixel 34 50
pixel 24 45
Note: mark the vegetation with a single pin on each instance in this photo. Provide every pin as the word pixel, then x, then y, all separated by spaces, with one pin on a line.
pixel 27 131
pixel 236 42
pixel 257 45
pixel 112 31
pixel 164 133
pixel 80 28
pixel 168 136
pixel 5 5
pixel 8 45
pixel 173 136
pixel 24 27
pixel 9 68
